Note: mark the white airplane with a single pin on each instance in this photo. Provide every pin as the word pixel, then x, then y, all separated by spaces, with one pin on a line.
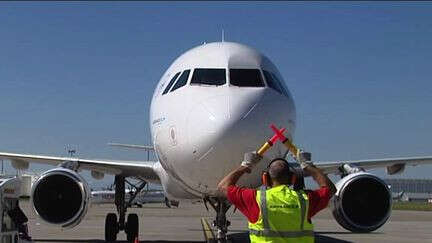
pixel 147 196
pixel 213 104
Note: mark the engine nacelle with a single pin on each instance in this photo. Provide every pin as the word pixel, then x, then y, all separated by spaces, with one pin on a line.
pixel 362 202
pixel 61 196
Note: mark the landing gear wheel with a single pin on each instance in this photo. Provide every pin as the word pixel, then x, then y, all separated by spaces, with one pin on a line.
pixel 111 227
pixel 221 206
pixel 132 227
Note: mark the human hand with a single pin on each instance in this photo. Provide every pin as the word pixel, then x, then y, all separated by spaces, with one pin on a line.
pixel 251 159
pixel 305 164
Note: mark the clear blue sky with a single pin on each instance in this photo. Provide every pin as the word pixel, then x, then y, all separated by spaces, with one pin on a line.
pixel 83 73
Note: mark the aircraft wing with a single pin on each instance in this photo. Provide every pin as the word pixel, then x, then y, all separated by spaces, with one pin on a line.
pixel 393 165
pixel 132 146
pixel 141 169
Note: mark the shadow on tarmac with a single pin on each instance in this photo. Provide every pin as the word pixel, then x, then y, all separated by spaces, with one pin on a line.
pixel 120 241
pixel 326 239
pixel 242 237
pixel 345 233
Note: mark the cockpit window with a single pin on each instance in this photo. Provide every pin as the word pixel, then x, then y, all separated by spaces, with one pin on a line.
pixel 181 81
pixel 170 84
pixel 209 76
pixel 284 90
pixel 273 83
pixel 246 78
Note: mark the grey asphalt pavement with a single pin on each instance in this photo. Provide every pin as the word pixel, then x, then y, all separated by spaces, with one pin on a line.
pixel 161 224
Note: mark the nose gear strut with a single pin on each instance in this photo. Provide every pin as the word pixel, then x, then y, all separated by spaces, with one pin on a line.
pixel 221 223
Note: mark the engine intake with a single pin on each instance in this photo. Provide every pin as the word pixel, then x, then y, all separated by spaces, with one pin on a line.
pixel 362 202
pixel 61 196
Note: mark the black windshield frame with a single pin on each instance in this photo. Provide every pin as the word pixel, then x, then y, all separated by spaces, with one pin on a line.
pixel 171 82
pixel 182 80
pixel 280 82
pixel 243 77
pixel 209 76
pixel 272 82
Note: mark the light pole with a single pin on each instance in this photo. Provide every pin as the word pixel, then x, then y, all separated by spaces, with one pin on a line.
pixel 71 152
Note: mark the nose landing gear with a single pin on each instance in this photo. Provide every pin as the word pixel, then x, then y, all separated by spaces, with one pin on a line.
pixel 221 223
pixel 131 226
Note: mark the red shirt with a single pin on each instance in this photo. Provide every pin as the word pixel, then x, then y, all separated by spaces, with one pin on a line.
pixel 245 200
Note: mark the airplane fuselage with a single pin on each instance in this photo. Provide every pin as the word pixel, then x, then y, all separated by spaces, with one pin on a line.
pixel 201 129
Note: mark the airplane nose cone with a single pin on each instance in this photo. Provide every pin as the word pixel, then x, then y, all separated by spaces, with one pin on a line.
pixel 228 122
pixel 239 119
pixel 222 128
pixel 206 121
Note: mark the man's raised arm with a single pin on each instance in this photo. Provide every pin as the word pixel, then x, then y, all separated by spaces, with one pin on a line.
pixel 250 160
pixel 319 177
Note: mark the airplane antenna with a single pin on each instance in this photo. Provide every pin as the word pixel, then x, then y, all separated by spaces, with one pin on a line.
pixel 71 151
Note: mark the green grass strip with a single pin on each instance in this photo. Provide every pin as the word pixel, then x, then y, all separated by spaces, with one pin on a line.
pixel 414 206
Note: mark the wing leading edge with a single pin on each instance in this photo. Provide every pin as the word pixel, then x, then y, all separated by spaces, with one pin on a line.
pixel 393 165
pixel 145 170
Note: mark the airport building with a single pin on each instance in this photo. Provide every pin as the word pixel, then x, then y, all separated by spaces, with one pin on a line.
pixel 411 189
pixel 410 185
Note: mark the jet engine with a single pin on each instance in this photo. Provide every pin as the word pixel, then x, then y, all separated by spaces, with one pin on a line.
pixel 61 196
pixel 362 202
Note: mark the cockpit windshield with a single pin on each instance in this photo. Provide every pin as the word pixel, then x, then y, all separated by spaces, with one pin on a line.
pixel 246 78
pixel 209 76
pixel 170 84
pixel 274 83
pixel 181 81
pixel 282 85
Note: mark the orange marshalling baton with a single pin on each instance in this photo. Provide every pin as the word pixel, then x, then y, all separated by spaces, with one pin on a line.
pixel 286 141
pixel 267 145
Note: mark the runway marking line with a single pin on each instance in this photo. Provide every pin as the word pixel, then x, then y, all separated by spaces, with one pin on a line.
pixel 208 232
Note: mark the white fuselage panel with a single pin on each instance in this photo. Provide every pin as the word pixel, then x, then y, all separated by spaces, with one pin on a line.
pixel 200 132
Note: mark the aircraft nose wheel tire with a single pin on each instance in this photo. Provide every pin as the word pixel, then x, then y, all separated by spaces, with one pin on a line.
pixel 132 227
pixel 111 227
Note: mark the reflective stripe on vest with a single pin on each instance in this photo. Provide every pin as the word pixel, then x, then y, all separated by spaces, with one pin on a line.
pixel 284 234
pixel 264 229
pixel 302 208
pixel 264 212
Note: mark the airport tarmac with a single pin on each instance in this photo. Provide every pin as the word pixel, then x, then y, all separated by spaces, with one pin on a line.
pixel 161 224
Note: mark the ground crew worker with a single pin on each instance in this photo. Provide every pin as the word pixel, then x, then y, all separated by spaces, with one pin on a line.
pixel 20 220
pixel 278 213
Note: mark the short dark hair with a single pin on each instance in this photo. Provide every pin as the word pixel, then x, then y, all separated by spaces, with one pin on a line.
pixel 280 171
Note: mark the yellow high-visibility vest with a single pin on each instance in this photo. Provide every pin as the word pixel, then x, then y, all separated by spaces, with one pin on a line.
pixel 283 217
